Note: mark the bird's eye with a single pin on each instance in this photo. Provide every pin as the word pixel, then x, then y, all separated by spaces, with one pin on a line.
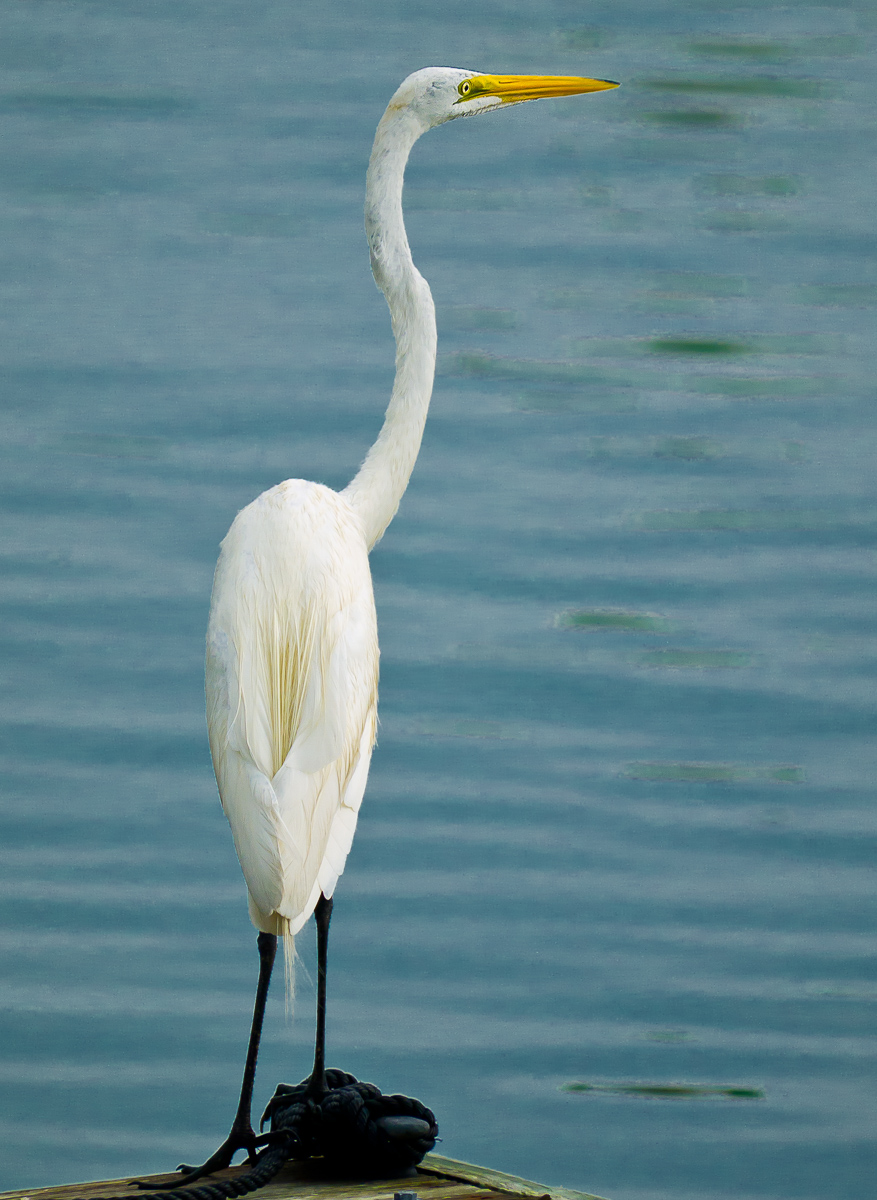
pixel 464 88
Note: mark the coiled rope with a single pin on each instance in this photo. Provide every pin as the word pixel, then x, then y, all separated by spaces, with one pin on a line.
pixel 354 1129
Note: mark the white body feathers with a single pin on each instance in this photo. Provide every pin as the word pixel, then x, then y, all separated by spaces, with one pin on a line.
pixel 292 674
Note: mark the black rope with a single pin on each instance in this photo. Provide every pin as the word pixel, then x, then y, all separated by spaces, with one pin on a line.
pixel 266 1166
pixel 354 1129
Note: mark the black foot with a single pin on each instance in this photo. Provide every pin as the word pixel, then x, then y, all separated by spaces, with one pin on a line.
pixel 243 1139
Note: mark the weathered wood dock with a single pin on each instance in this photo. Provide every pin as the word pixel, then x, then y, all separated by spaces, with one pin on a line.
pixel 437 1178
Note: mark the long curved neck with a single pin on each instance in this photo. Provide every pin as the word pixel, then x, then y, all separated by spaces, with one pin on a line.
pixel 379 485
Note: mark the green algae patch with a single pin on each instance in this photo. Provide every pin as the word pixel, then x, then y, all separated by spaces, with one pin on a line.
pixel 705 772
pixel 613 619
pixel 693 118
pixel 698 660
pixel 699 285
pixel 668 1091
pixel 774 387
pixel 712 346
pixel 758 86
pixel 756 51
pixel 833 45
pixel 690 449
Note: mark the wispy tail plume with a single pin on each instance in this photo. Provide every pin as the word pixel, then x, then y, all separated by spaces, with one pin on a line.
pixel 289 957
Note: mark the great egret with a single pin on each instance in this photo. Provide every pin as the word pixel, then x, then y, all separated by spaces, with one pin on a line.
pixel 292 646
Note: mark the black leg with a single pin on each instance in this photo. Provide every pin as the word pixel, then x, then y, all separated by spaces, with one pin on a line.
pixel 241 1136
pixel 242 1124
pixel 317 1087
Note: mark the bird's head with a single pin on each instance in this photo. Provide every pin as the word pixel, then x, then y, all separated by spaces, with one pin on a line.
pixel 438 94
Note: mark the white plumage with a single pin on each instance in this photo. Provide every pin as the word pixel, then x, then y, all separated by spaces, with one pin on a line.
pixel 292 677
pixel 292 645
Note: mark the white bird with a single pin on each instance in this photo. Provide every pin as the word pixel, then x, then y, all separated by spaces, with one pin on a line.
pixel 292 645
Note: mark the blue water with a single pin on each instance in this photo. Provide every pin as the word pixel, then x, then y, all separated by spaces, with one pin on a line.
pixel 620 826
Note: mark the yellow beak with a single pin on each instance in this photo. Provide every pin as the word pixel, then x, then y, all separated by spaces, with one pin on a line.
pixel 512 89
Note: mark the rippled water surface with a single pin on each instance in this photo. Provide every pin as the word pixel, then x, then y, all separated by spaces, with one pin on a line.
pixel 611 906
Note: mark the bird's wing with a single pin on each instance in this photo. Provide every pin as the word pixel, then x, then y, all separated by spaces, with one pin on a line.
pixel 292 693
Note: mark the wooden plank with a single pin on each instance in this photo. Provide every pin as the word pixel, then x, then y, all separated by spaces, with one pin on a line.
pixel 294 1182
pixel 498 1181
pixel 438 1178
